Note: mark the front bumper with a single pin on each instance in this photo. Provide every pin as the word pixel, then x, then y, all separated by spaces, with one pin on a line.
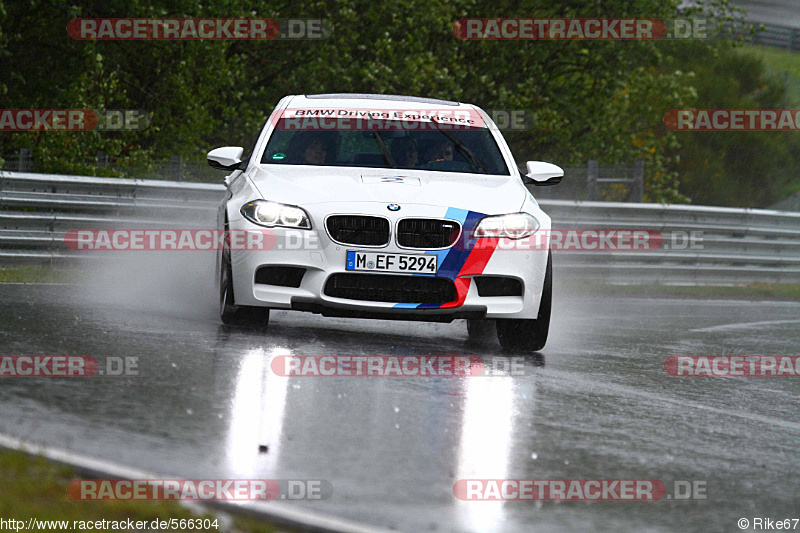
pixel 321 257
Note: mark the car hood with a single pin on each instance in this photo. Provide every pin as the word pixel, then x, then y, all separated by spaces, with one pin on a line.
pixel 307 185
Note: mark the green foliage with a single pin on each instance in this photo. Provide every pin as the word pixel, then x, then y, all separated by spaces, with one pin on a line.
pixel 784 64
pixel 735 168
pixel 600 100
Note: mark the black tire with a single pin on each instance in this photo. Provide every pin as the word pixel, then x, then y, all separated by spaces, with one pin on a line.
pixel 527 335
pixel 230 313
pixel 479 329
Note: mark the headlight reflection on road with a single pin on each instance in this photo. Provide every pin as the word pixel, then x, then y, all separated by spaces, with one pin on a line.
pixel 257 410
pixel 485 445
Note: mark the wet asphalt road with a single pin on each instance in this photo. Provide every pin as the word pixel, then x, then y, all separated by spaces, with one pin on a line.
pixel 596 403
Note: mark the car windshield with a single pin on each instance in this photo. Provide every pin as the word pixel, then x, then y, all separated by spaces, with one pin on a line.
pixel 420 145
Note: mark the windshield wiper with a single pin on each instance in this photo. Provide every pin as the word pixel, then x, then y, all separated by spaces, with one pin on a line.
pixel 384 149
pixel 476 163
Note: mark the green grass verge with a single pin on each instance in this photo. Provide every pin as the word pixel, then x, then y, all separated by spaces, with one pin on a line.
pixel 779 61
pixel 34 274
pixel 33 487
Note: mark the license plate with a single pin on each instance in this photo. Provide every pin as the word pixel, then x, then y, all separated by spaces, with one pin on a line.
pixel 407 263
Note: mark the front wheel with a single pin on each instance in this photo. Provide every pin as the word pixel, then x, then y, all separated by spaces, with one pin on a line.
pixel 527 335
pixel 230 313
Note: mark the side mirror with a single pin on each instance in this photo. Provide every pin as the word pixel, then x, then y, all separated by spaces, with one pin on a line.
pixel 225 158
pixel 541 173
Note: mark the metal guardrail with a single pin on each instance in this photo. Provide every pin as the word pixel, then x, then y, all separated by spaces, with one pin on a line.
pixel 778 37
pixel 706 245
pixel 174 168
pixel 37 210
pixel 703 245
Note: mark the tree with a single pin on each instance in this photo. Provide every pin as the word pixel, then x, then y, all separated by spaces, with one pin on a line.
pixel 600 100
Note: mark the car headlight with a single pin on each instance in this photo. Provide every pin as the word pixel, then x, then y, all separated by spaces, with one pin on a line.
pixel 511 226
pixel 271 214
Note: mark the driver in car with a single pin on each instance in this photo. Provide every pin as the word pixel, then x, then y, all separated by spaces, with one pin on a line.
pixel 311 148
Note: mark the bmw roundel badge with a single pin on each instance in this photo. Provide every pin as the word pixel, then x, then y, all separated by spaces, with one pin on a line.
pixel 393 207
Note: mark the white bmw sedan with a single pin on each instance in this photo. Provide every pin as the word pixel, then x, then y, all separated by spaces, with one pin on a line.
pixel 388 207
